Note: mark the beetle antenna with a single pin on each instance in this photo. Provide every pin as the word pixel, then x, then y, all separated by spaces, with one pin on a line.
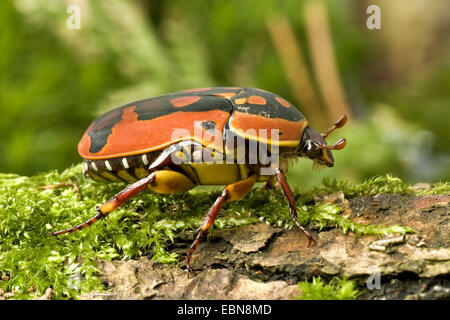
pixel 338 124
pixel 338 145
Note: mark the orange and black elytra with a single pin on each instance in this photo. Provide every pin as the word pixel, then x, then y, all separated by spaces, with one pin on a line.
pixel 165 144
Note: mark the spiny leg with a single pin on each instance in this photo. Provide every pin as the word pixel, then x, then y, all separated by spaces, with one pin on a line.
pixel 62 185
pixel 161 181
pixel 113 203
pixel 206 225
pixel 231 193
pixel 291 202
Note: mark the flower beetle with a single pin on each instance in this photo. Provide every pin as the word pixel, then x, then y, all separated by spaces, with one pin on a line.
pixel 161 144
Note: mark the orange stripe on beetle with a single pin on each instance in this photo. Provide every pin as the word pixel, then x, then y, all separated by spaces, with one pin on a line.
pixel 184 101
pixel 240 101
pixel 225 94
pixel 256 100
pixel 283 102
pixel 243 124
pixel 138 135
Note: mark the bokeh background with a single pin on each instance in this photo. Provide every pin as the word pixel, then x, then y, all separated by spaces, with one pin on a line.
pixel 393 82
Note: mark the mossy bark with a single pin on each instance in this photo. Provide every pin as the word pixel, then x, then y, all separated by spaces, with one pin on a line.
pixel 253 252
pixel 260 261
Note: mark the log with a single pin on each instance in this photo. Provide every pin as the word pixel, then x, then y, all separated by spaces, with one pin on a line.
pixel 260 261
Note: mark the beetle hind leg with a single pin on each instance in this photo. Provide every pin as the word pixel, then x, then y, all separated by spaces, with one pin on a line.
pixel 113 203
pixel 162 181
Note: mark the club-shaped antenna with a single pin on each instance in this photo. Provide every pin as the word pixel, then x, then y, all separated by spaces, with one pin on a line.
pixel 338 124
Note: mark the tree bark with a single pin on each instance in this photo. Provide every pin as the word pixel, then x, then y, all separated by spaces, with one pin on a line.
pixel 265 262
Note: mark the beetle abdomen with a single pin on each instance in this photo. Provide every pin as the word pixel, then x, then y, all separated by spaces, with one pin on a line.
pixel 120 169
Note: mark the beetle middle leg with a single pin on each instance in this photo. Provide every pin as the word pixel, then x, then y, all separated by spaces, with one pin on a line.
pixel 291 202
pixel 231 193
pixel 270 184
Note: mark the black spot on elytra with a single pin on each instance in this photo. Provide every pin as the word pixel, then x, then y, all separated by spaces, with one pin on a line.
pixel 272 109
pixel 160 106
pixel 149 109
pixel 208 125
pixel 152 108
pixel 102 128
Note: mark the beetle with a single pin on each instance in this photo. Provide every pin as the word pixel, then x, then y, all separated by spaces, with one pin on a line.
pixel 162 144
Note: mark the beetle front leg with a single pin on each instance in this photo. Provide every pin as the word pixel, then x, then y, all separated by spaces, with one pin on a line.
pixel 291 202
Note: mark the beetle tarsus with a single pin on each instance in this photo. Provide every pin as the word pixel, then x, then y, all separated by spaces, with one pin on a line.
pixel 116 201
pixel 311 240
pixel 293 213
pixel 83 225
pixel 200 235
pixel 291 202
pixel 207 224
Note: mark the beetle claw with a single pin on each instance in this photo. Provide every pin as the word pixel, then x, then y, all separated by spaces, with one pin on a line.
pixel 311 239
pixel 190 272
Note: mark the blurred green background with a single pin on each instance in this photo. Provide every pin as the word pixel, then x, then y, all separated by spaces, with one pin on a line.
pixel 394 82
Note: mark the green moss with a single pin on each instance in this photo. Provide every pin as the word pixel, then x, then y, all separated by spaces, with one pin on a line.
pixel 146 224
pixel 377 185
pixel 373 186
pixel 336 289
pixel 438 188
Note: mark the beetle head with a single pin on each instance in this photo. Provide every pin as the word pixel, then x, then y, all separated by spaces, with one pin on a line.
pixel 314 146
